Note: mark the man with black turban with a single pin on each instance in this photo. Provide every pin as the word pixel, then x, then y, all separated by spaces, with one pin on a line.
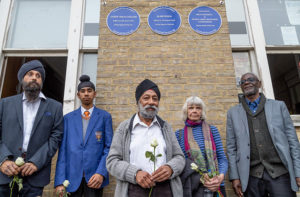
pixel 86 142
pixel 126 160
pixel 31 127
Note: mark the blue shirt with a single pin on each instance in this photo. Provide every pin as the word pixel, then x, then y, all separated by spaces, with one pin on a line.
pixel 199 138
pixel 253 105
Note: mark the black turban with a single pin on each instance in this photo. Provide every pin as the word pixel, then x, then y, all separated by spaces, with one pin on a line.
pixel 32 65
pixel 144 86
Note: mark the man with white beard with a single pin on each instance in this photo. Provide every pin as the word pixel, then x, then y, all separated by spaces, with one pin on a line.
pixel 126 160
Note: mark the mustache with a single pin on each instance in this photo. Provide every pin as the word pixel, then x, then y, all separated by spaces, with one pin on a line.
pixel 151 107
pixel 28 86
pixel 32 88
pixel 144 111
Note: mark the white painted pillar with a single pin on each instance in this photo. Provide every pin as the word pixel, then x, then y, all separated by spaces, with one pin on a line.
pixel 259 48
pixel 73 55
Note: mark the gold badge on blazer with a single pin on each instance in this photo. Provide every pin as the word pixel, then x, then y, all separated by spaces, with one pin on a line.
pixel 98 135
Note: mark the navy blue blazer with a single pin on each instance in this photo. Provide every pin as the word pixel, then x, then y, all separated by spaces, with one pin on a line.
pixel 45 137
pixel 89 156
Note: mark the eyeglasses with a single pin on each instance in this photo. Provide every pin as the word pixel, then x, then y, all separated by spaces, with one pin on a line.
pixel 250 80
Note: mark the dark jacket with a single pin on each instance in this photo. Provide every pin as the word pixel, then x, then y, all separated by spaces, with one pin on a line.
pixel 45 137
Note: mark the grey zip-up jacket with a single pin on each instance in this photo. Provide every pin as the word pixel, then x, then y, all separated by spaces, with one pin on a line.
pixel 118 159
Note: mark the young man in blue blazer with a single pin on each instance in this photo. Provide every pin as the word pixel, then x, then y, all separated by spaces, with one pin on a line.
pixel 86 142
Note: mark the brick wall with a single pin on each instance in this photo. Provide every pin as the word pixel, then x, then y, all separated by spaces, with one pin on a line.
pixel 49 189
pixel 182 64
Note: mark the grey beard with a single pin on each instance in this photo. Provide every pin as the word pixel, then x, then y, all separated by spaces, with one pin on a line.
pixel 31 93
pixel 147 114
pixel 252 92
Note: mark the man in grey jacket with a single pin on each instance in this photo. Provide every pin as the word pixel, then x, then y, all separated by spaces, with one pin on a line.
pixel 126 160
pixel 262 145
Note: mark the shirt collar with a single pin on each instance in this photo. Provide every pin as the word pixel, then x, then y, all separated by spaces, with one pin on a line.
pixel 137 121
pixel 41 96
pixel 90 110
pixel 256 101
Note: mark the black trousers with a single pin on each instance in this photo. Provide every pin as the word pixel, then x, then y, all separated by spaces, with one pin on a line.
pixel 267 186
pixel 223 191
pixel 200 191
pixel 27 191
pixel 162 189
pixel 85 191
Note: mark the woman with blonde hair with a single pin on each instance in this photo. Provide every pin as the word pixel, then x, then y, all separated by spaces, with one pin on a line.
pixel 201 144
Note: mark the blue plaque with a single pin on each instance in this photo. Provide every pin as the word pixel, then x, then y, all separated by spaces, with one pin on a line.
pixel 205 20
pixel 164 20
pixel 123 21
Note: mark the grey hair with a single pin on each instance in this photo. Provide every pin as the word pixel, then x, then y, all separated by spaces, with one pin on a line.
pixel 193 100
pixel 250 73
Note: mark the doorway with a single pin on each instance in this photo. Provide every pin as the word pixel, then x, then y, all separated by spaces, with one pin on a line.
pixel 54 83
pixel 285 74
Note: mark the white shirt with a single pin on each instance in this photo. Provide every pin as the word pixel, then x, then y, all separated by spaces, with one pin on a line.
pixel 30 109
pixel 141 138
pixel 90 110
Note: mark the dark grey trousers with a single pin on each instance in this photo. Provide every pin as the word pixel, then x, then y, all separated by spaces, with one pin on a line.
pixel 269 187
pixel 85 191
pixel 27 191
pixel 162 189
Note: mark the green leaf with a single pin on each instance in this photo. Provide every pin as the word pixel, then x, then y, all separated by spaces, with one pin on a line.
pixel 158 155
pixel 20 186
pixel 214 174
pixel 148 154
pixel 152 158
pixel 202 180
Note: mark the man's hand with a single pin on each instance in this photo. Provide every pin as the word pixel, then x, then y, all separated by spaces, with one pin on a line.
pixel 162 173
pixel 214 183
pixel 237 187
pixel 9 168
pixel 28 169
pixel 144 179
pixel 298 181
pixel 95 181
pixel 59 190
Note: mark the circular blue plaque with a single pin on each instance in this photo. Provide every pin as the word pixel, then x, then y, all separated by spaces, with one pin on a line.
pixel 123 21
pixel 205 20
pixel 164 20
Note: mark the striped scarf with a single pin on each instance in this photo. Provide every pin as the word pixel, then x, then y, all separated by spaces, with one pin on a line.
pixel 208 164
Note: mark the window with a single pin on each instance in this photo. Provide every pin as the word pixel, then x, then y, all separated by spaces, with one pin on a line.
pixel 281 21
pixel 54 83
pixel 89 45
pixel 237 23
pixel 242 64
pixel 48 30
pixel 285 74
pixel 89 66
pixel 91 24
pixel 39 24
